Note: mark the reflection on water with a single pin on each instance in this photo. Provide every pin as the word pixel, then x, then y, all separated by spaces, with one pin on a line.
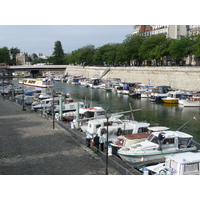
pixel 173 116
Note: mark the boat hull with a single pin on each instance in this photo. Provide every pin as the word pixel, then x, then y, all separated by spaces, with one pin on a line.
pixel 41 83
pixel 135 158
pixel 189 103
pixel 171 101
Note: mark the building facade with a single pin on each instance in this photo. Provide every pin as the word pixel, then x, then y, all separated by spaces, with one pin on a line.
pixel 171 31
pixel 22 58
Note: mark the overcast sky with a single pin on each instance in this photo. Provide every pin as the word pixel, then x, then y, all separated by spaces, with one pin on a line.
pixel 41 38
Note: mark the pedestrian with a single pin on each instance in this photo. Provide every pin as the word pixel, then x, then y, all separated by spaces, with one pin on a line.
pixel 190 143
pixel 102 141
pixel 88 139
pixel 161 137
pixel 96 140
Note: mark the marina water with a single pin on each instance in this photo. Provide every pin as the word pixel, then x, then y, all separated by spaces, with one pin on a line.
pixel 172 116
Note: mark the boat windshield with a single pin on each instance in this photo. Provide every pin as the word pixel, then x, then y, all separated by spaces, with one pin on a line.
pixel 153 138
pixel 150 137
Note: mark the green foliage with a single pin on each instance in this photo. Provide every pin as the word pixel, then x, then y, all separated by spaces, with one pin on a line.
pixel 196 46
pixel 154 47
pixel 58 53
pixel 181 48
pixel 132 44
pixel 4 55
pixel 134 47
pixel 13 53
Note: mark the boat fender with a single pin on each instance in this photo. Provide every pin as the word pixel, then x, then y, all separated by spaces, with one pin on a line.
pixel 103 131
pixel 119 132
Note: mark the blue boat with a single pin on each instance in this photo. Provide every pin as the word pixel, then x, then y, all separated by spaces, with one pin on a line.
pixel 160 92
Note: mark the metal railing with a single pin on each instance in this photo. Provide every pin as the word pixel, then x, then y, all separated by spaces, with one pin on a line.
pixel 81 138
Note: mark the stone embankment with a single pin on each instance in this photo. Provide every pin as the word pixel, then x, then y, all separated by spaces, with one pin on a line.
pixel 184 78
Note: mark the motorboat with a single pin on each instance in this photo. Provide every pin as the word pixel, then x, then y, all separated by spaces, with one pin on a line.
pixel 187 163
pixel 174 142
pixel 38 82
pixel 173 97
pixel 129 139
pixel 85 114
pixel 142 91
pixel 116 127
pixel 160 92
pixel 193 101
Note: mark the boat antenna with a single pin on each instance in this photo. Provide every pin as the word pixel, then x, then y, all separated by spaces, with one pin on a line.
pixel 186 123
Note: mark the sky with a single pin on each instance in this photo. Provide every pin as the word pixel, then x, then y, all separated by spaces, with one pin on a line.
pixel 35 27
pixel 42 38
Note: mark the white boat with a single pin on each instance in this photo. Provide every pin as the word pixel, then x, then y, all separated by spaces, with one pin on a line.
pixel 39 82
pixel 174 142
pixel 85 114
pixel 176 164
pixel 142 91
pixel 129 139
pixel 46 104
pixel 193 101
pixel 116 127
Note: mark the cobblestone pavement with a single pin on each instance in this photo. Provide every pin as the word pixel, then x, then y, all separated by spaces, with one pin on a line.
pixel 30 146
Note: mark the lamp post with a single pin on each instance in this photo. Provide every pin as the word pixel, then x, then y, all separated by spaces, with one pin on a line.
pixel 23 106
pixel 52 106
pixel 107 115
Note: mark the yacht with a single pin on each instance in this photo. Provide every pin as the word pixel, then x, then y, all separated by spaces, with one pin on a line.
pixel 174 142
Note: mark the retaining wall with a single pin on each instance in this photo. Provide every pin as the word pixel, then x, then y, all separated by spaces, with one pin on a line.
pixel 187 78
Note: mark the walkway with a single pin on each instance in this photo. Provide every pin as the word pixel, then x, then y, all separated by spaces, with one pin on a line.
pixel 30 146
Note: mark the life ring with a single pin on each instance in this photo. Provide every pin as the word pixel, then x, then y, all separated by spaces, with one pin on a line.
pixel 162 172
pixel 119 132
pixel 103 131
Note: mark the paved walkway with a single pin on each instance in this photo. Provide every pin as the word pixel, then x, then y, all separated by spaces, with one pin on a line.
pixel 30 146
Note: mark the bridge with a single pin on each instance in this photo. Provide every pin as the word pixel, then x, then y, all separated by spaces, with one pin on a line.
pixel 35 69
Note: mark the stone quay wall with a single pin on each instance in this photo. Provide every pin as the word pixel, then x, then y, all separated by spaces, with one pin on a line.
pixel 184 78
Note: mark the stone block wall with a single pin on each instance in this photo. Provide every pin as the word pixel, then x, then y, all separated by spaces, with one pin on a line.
pixel 186 78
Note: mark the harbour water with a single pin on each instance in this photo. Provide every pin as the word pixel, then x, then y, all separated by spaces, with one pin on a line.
pixel 172 116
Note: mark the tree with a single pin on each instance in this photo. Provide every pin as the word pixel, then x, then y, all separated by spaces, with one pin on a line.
pixel 131 45
pixel 154 47
pixel 83 55
pixel 13 53
pixel 58 53
pixel 180 49
pixel 4 55
pixel 196 50
pixel 107 54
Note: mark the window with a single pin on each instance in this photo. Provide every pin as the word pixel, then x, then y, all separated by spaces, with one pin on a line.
pixel 98 125
pixel 100 113
pixel 124 132
pixel 155 140
pixel 142 129
pixel 173 165
pixel 191 167
pixel 168 141
pixel 150 137
pixel 72 106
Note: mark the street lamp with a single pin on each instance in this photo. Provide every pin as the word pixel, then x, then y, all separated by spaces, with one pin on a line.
pixel 52 106
pixel 107 115
pixel 23 106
